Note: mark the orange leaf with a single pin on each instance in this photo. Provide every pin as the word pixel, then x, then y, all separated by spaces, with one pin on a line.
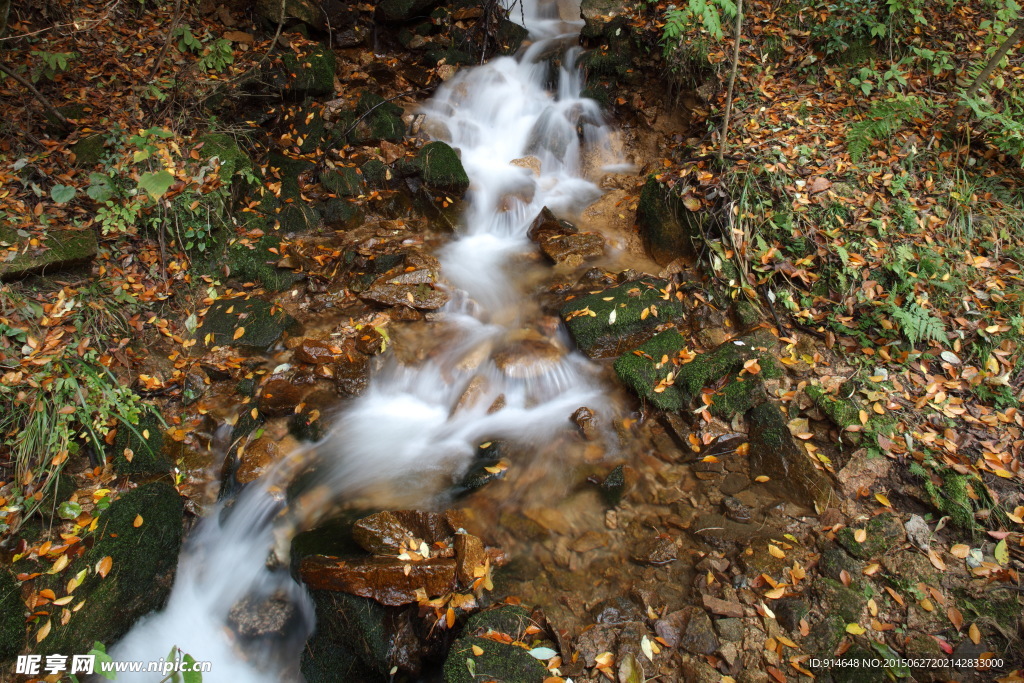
pixel 137 522
pixel 955 617
pixel 974 633
pixel 238 333
pixel 104 565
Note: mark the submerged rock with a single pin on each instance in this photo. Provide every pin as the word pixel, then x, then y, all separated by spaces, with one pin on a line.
pixel 385 580
pixel 609 322
pixel 496 660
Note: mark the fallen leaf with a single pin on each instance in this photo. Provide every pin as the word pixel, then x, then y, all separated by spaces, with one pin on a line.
pixel 936 561
pixel 43 631
pixel 477 650
pixel 137 522
pixel 855 629
pixel 974 633
pixel 238 333
pixel 104 565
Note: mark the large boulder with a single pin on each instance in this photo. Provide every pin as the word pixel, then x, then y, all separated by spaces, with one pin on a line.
pixel 139 449
pixel 668 229
pixel 474 658
pixel 141 534
pixel 309 74
pixel 442 170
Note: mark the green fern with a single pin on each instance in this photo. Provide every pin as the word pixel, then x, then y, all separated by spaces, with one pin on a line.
pixel 882 120
pixel 918 324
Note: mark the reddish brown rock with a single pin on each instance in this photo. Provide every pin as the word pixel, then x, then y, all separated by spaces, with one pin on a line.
pixel 316 352
pixel 256 459
pixel 279 397
pixel 724 608
pixel 469 556
pixel 383 579
pixel 387 533
pixel 572 249
pixel 547 225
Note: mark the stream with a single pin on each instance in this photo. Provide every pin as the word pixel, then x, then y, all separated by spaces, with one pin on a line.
pixel 497 367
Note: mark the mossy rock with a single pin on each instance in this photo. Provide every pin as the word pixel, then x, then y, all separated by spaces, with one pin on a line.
pixel 835 598
pixel 739 394
pixel 404 10
pixel 141 533
pixel 288 171
pixel 725 359
pixel 442 170
pixel 57 491
pixel 599 15
pixel 298 218
pixel 145 442
pixel 310 74
pixel 512 620
pixel 351 642
pixel 249 420
pixel 71 112
pixel 229 153
pixel 345 181
pixel 844 412
pixel 89 150
pixel 774 452
pixel 450 55
pixel 245 323
pixel 953 500
pixel 498 662
pixel 834 561
pixel 860 670
pixel 339 214
pixel 668 229
pixel 63 248
pixel 747 313
pixel 376 174
pixel 375 119
pixel 639 307
pixel 883 532
pixel 643 371
pixel 510 36
pixel 253 263
pixel 12 617
pixel 309 128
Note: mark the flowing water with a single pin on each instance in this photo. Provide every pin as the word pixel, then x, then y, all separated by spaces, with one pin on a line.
pixel 503 371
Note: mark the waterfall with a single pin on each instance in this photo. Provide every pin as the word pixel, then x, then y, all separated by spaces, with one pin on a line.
pixel 416 429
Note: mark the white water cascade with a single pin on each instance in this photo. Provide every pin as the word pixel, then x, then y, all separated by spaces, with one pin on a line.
pixel 416 429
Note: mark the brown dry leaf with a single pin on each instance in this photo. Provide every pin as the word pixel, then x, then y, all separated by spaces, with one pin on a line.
pixel 974 633
pixel 776 552
pixel 860 535
pixel 960 550
pixel 936 561
pixel 818 184
pixel 103 566
pixel 955 617
pixel 895 596
pixel 43 631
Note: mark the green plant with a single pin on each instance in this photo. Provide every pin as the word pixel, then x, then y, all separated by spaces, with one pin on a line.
pixel 693 16
pixel 917 323
pixel 52 63
pixel 217 56
pixel 882 120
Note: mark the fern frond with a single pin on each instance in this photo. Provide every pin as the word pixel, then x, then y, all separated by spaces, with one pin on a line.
pixel 882 120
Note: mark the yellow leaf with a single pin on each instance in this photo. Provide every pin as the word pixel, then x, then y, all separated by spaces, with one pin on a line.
pixel 762 479
pixel 59 565
pixel 881 498
pixel 477 650
pixel 1000 472
pixel 137 522
pixel 776 551
pixel 43 632
pixel 65 600
pixel 787 642
pixel 1001 553
pixel 974 633
pixel 776 593
pixel 238 333
pixel 860 535
pixel 927 605
pixel 855 629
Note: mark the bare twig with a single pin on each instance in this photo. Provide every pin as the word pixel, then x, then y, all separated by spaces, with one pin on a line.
pixel 277 34
pixel 379 104
pixel 167 42
pixel 732 78
pixel 1007 45
pixel 67 125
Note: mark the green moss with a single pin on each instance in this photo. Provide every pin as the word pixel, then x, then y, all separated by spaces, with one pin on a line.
pixel 605 63
pixel 339 214
pixel 643 371
pixel 345 181
pixel 952 499
pixel 261 323
pixel 739 394
pixel 882 530
pixel 63 248
pixel 442 170
pixel 376 174
pixel 288 171
pixel 351 642
pixel 298 218
pixel 89 150
pixel 403 10
pixel 510 36
pixel 512 620
pixel 12 616
pixel 145 441
pixel 835 598
pixel 253 263
pixel 843 412
pixel 144 556
pixel 499 662
pixel 230 154
pixel 382 120
pixel 309 125
pixel 712 366
pixel 667 228
pixel 601 334
pixel 747 313
pixel 310 74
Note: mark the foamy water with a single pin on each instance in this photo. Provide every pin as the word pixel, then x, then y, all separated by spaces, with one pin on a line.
pixel 415 430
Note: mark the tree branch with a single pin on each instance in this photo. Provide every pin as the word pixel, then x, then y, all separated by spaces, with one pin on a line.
pixel 732 78
pixel 67 125
pixel 170 36
pixel 1006 46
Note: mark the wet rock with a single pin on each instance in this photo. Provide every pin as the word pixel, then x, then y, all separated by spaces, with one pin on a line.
pixel 245 323
pixel 370 341
pixel 596 640
pixel 736 511
pixel 530 356
pixel 307 423
pixel 390 532
pixel 144 557
pixel 419 296
pixel 591 540
pixel 256 459
pixel 724 608
pixel 572 250
pixel 734 483
pixel 709 325
pixel 62 248
pixel 610 322
pixel 316 352
pixel 351 374
pixel 656 550
pixel 746 313
pixel 773 451
pixel 139 449
pixel 613 486
pixel 279 397
pixel 789 612
pixel 617 611
pixel 689 628
pixel 382 579
pixel 470 559
pixel 547 225
pixel 531 163
pixel 259 617
pixel 344 181
pixel 583 418
pixel 442 170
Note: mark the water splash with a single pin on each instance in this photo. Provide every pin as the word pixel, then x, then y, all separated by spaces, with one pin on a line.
pixel 416 429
